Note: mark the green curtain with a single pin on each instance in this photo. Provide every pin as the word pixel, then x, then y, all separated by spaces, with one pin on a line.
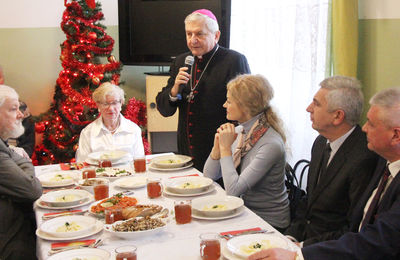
pixel 342 50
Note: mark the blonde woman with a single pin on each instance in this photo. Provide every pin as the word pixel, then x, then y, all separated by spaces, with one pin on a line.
pixel 251 157
pixel 111 131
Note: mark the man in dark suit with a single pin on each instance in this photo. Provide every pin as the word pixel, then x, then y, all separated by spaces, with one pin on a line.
pixel 341 164
pixel 377 216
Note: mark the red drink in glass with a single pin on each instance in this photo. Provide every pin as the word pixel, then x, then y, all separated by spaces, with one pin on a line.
pixel 126 256
pixel 140 165
pixel 89 173
pixel 210 248
pixel 154 189
pixel 100 191
pixel 105 163
pixel 183 212
pixel 112 215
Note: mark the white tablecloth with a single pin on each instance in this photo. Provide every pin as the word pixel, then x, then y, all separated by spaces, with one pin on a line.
pixel 177 241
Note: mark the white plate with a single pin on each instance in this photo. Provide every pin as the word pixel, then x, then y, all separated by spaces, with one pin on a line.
pixel 50 227
pixel 112 155
pixel 235 244
pixel 188 185
pixel 168 192
pixel 98 227
pixel 43 205
pixel 171 161
pixel 133 234
pixel 83 253
pixel 118 162
pixel 152 167
pixel 216 206
pixel 73 196
pixel 236 213
pixel 133 182
pixel 58 178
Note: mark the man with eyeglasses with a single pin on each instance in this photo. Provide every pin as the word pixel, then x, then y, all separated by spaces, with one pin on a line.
pixel 111 131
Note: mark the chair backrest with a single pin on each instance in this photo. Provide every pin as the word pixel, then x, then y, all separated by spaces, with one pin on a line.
pixel 293 185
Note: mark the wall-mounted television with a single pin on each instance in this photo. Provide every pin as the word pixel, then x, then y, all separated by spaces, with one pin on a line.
pixel 152 32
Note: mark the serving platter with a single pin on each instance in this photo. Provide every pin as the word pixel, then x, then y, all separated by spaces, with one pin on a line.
pixel 97 228
pixel 132 234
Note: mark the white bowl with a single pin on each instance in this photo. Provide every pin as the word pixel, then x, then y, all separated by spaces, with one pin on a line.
pixel 65 198
pixel 58 178
pixel 171 161
pixel 132 234
pixel 216 206
pixel 52 226
pixel 112 155
pixel 242 245
pixel 188 185
pixel 91 181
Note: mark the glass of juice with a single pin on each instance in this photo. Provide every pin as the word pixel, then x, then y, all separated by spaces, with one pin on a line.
pixel 112 215
pixel 89 172
pixel 183 211
pixel 210 248
pixel 139 163
pixel 126 253
pixel 154 188
pixel 105 163
pixel 101 190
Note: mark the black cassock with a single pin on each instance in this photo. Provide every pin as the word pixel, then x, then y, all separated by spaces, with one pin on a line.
pixel 200 117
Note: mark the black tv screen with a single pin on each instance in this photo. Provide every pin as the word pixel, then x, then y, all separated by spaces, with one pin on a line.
pixel 152 32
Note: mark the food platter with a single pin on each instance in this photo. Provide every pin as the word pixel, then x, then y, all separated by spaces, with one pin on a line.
pixel 131 182
pixel 210 189
pixel 65 198
pixel 216 206
pixel 97 228
pixel 236 213
pixel 90 183
pixel 58 178
pixel 83 253
pixel 171 161
pixel 128 201
pixel 68 226
pixel 44 205
pixel 135 234
pixel 245 245
pixel 153 167
pixel 188 185
pixel 112 173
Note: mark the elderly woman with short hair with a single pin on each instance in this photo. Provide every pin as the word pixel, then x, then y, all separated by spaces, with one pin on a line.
pixel 111 131
pixel 251 157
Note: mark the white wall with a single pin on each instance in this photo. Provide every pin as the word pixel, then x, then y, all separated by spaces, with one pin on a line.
pixel 45 13
pixel 379 9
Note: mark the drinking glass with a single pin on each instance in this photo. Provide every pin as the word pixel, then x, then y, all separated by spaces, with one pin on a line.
pixel 126 253
pixel 210 248
pixel 89 172
pixel 101 191
pixel 139 163
pixel 112 215
pixel 183 211
pixel 154 188
pixel 105 163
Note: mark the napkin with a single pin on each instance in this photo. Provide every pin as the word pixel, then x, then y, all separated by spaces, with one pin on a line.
pixel 236 232
pixel 184 176
pixel 80 243
pixel 51 215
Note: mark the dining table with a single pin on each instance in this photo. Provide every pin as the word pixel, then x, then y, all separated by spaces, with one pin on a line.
pixel 176 241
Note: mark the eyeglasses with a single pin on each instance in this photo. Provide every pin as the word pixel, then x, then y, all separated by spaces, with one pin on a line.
pixel 111 104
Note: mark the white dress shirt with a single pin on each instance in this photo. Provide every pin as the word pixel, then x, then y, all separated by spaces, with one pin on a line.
pixel 95 137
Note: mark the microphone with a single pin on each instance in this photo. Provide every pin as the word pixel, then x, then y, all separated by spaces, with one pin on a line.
pixel 189 60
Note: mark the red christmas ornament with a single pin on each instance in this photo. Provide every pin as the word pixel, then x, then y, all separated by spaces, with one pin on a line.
pixel 91 3
pixel 92 35
pixel 96 80
pixel 112 59
pixel 40 127
pixel 78 109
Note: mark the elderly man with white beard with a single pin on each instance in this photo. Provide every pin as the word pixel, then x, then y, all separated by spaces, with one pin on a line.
pixel 19 187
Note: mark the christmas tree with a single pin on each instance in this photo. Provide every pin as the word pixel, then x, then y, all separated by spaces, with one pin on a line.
pixel 87 62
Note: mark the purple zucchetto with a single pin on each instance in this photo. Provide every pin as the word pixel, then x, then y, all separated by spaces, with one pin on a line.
pixel 207 13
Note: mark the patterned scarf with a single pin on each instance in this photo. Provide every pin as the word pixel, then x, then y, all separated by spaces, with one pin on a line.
pixel 257 130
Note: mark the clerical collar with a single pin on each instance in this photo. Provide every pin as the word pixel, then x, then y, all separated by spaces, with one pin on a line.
pixel 208 55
